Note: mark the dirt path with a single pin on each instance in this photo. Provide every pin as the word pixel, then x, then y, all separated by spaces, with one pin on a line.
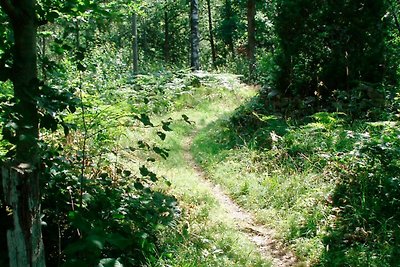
pixel 263 237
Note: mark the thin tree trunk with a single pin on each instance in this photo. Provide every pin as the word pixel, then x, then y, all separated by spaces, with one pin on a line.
pixel 229 16
pixel 251 35
pixel 135 56
pixel 195 36
pixel 20 179
pixel 166 33
pixel 211 32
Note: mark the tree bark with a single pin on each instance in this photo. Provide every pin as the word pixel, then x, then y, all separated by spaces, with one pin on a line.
pixel 195 36
pixel 211 32
pixel 251 35
pixel 20 178
pixel 166 34
pixel 231 28
pixel 135 56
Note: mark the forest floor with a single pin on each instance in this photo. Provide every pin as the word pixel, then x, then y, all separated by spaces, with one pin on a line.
pixel 263 237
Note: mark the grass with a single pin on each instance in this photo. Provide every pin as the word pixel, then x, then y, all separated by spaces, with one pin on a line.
pixel 327 185
pixel 212 239
pixel 205 236
pixel 309 181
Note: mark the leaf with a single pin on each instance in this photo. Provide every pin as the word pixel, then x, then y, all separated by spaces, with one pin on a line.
pixel 49 122
pixel 143 144
pixel 52 15
pixel 96 240
pixel 119 241
pixel 153 177
pixel 103 175
pixel 126 173
pixel 80 55
pixel 144 171
pixel 162 152
pixel 161 135
pixel 109 262
pixel 66 129
pixel 118 216
pixel 186 119
pixel 145 119
pixel 165 126
pixel 80 66
pixel 138 186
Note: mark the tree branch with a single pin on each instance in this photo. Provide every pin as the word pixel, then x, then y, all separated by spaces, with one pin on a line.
pixel 9 8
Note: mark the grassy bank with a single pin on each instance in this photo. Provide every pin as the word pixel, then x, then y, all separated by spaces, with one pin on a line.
pixel 328 185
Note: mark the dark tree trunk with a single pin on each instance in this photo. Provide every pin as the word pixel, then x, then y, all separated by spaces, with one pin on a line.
pixel 211 32
pixel 135 55
pixel 166 34
pixel 251 35
pixel 231 27
pixel 20 178
pixel 195 36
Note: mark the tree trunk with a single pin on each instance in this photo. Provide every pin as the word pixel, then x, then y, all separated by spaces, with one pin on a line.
pixel 20 178
pixel 231 28
pixel 251 35
pixel 166 35
pixel 195 36
pixel 135 56
pixel 210 27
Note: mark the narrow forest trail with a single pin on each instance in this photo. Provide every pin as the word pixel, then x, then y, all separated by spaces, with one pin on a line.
pixel 268 246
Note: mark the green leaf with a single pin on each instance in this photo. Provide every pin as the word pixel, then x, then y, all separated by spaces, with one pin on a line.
pixel 161 135
pixel 52 15
pixel 96 241
pixel 109 262
pixel 138 186
pixel 153 177
pixel 143 144
pixel 186 119
pixel 66 129
pixel 144 171
pixel 118 216
pixel 103 175
pixel 145 119
pixel 80 66
pixel 165 126
pixel 119 241
pixel 162 152
pixel 80 55
pixel 126 173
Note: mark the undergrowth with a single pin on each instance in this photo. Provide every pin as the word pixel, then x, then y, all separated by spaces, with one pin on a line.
pixel 204 236
pixel 328 185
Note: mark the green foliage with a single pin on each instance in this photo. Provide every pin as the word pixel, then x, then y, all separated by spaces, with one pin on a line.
pixel 323 53
pixel 328 185
pixel 113 211
pixel 365 200
pixel 118 218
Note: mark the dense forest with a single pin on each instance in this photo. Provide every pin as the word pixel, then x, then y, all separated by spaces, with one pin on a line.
pixel 199 133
